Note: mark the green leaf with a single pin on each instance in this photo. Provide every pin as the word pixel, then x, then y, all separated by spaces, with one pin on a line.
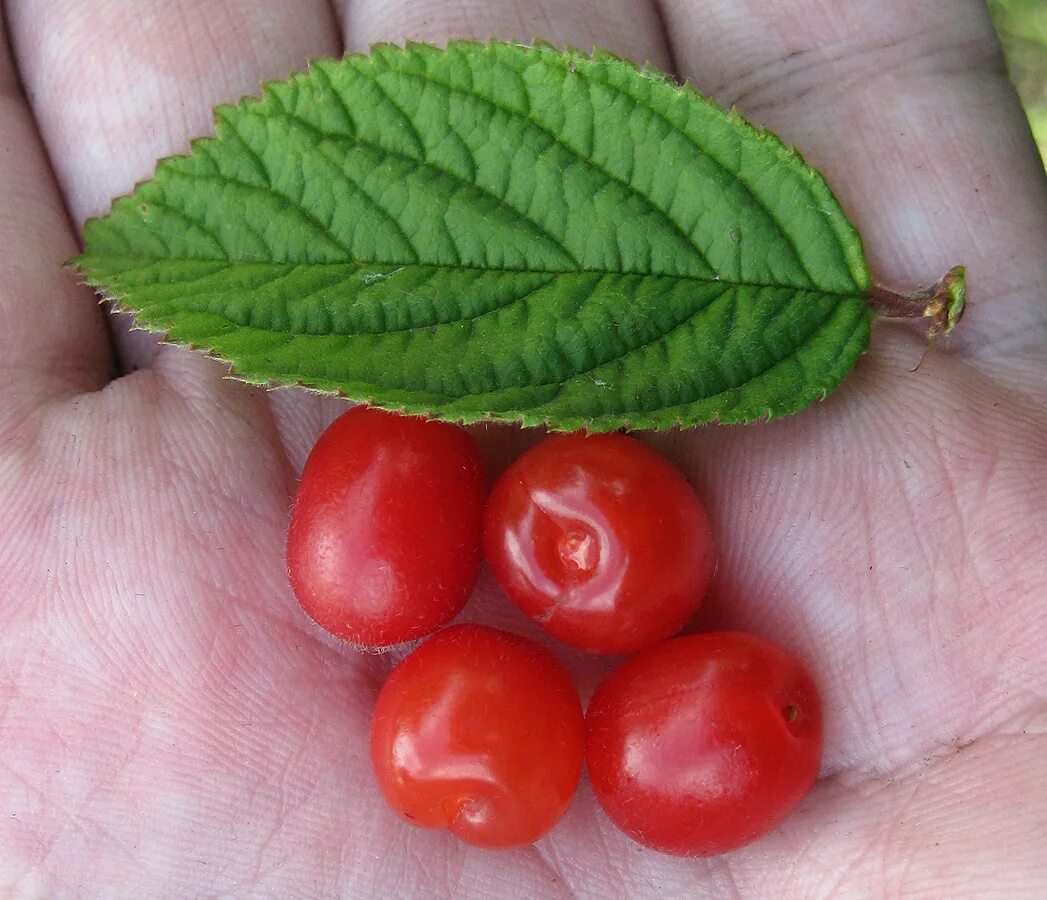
pixel 497 231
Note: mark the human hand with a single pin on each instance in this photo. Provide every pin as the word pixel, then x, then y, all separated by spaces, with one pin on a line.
pixel 170 722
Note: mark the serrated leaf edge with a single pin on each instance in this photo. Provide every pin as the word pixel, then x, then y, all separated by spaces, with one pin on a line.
pixel 853 253
pixel 522 417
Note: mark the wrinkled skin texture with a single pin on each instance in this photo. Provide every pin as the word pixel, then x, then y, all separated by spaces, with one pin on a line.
pixel 171 724
pixel 600 540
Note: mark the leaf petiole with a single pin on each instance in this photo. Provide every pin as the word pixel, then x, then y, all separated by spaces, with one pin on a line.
pixel 943 303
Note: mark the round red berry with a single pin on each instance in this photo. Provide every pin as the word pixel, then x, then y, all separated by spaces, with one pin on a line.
pixel 600 540
pixel 384 542
pixel 704 743
pixel 479 732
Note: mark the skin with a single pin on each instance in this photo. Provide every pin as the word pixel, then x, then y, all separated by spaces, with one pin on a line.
pixel 171 724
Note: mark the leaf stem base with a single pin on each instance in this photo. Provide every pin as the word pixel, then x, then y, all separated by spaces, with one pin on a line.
pixel 943 303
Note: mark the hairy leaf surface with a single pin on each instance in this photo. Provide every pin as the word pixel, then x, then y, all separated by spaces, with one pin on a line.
pixel 497 231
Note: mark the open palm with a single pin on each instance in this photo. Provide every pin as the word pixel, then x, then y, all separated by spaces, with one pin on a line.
pixel 172 725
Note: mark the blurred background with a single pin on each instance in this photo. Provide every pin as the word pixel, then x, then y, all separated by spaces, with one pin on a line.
pixel 1022 25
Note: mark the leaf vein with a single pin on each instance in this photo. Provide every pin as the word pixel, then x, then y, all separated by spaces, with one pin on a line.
pixel 556 140
pixel 361 191
pixel 408 121
pixel 735 175
pixel 192 220
pixel 461 183
pixel 378 263
pixel 793 351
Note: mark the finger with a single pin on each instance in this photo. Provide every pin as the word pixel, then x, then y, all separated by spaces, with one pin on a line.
pixel 52 337
pixel 630 27
pixel 117 85
pixel 907 110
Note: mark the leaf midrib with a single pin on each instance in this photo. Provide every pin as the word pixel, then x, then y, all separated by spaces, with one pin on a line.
pixel 402 264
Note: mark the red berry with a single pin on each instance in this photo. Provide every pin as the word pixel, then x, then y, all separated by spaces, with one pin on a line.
pixel 600 540
pixel 384 543
pixel 704 743
pixel 479 732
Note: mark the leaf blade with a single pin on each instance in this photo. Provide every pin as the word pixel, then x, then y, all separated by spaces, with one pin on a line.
pixel 494 231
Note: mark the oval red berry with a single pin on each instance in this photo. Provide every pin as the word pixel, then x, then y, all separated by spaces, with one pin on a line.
pixel 479 732
pixel 600 540
pixel 704 743
pixel 384 542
